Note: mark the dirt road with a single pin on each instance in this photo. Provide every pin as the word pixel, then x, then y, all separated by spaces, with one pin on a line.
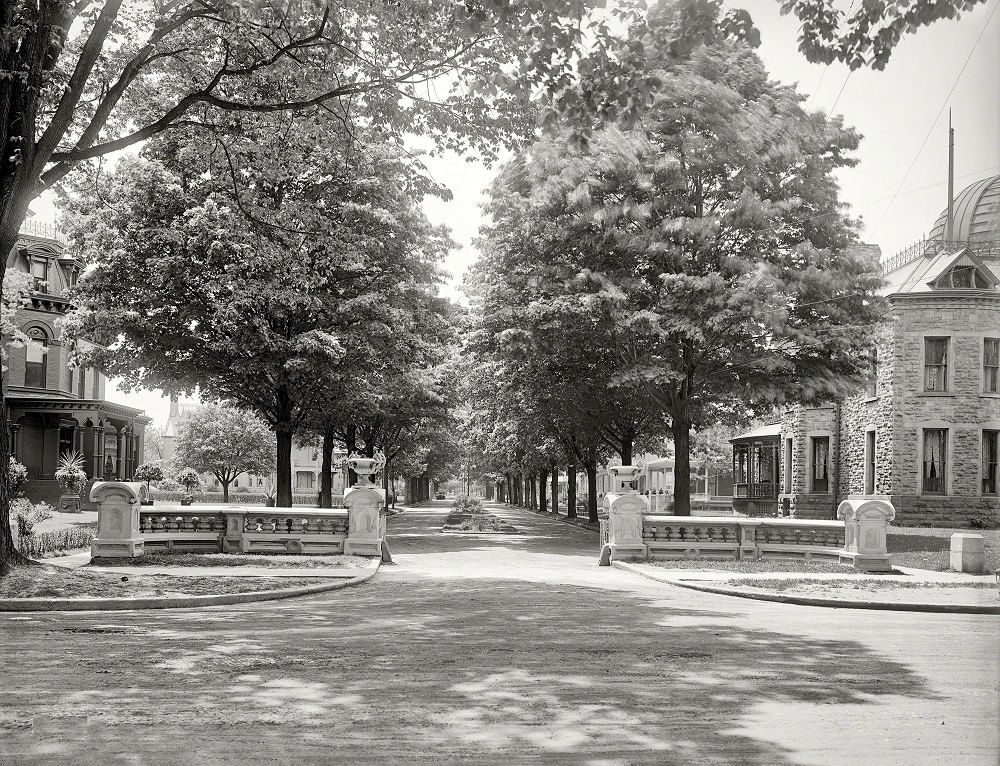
pixel 514 649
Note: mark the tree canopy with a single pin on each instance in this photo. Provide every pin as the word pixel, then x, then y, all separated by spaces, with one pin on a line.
pixel 706 246
pixel 316 267
pixel 224 442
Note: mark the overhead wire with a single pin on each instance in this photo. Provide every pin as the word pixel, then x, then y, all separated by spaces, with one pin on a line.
pixel 938 117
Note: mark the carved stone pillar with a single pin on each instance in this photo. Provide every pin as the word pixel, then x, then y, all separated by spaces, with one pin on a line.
pixel 120 454
pixel 118 533
pixel 14 441
pixel 364 503
pixel 625 511
pixel 866 520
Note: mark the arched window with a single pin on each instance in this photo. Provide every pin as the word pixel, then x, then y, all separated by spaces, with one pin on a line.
pixel 81 390
pixel 34 357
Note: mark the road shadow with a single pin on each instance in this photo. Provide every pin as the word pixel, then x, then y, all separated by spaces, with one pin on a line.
pixel 443 671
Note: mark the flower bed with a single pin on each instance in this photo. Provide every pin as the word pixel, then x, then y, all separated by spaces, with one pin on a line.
pixel 481 522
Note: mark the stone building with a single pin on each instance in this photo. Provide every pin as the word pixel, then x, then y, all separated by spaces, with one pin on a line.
pixel 54 408
pixel 924 432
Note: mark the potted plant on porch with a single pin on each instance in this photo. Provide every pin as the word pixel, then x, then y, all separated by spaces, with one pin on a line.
pixel 72 478
pixel 269 490
pixel 189 479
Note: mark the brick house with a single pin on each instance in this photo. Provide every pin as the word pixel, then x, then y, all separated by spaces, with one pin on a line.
pixel 54 408
pixel 925 430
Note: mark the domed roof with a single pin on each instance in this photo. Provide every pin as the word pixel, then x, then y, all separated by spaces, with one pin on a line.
pixel 977 214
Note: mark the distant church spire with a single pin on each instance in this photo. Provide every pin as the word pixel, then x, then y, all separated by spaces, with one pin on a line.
pixel 949 228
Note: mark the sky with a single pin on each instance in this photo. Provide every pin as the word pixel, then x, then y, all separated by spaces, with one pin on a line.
pixel 899 186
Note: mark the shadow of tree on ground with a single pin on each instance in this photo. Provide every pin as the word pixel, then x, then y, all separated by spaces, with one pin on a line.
pixel 442 671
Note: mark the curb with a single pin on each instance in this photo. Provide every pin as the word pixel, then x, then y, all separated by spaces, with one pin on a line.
pixel 830 603
pixel 176 602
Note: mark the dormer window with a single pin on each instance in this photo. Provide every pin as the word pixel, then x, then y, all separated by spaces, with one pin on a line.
pixel 963 277
pixel 40 274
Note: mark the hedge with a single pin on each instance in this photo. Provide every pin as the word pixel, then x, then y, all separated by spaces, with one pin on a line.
pixel 41 543
pixel 238 498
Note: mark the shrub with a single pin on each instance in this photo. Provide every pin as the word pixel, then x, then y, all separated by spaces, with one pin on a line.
pixel 17 477
pixel 27 515
pixel 189 479
pixel 148 472
pixel 57 540
pixel 468 504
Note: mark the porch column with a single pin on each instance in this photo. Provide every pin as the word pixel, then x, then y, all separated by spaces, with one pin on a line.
pixel 119 455
pixel 99 452
pixel 14 428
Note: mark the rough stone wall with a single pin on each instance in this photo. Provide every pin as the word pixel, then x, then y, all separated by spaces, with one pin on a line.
pixel 860 412
pixel 964 410
pixel 797 422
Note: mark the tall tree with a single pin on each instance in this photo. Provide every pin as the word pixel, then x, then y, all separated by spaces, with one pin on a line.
pixel 715 233
pixel 224 442
pixel 210 291
pixel 87 79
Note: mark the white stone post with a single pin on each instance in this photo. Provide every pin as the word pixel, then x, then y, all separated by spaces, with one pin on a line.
pixel 748 539
pixel 866 519
pixel 364 502
pixel 625 510
pixel 968 553
pixel 117 519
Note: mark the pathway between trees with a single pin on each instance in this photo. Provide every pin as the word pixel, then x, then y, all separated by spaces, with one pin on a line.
pixel 499 649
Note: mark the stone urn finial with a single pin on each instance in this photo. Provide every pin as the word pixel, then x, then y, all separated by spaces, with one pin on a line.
pixel 623 476
pixel 364 467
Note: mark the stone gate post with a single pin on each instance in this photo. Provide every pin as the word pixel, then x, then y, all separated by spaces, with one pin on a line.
pixel 364 502
pixel 866 520
pixel 118 506
pixel 625 510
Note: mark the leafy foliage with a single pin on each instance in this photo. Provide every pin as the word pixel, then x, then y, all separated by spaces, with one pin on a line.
pixel 148 472
pixel 189 479
pixel 70 473
pixel 224 442
pixel 705 249
pixel 869 31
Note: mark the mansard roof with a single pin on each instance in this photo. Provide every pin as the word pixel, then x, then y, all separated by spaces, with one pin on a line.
pixel 930 274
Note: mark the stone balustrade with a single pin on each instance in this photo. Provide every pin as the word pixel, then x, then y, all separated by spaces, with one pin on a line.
pixel 125 528
pixel 858 540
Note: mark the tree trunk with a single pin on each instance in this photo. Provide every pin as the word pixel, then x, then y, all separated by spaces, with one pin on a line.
pixel 9 555
pixel 225 490
pixel 592 492
pixel 385 486
pixel 351 444
pixel 534 492
pixel 571 491
pixel 543 486
pixel 284 468
pixel 628 436
pixel 682 466
pixel 326 471
pixel 555 489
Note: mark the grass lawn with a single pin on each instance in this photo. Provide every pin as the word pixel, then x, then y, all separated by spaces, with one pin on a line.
pixel 860 583
pixel 929 547
pixel 764 565
pixel 41 581
pixel 271 561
